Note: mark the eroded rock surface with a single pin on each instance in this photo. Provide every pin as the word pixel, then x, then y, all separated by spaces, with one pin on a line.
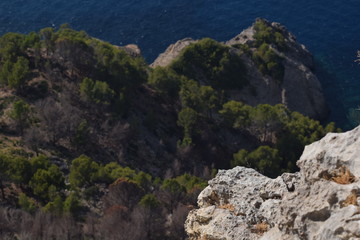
pixel 320 202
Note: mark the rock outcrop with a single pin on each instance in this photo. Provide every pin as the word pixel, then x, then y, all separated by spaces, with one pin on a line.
pixel 321 201
pixel 300 90
pixel 132 49
pixel 171 52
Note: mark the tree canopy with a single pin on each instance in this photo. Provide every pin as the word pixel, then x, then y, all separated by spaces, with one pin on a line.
pixel 83 171
pixel 210 62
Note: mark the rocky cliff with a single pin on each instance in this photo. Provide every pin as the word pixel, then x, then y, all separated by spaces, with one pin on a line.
pixel 321 201
pixel 299 89
pixel 172 52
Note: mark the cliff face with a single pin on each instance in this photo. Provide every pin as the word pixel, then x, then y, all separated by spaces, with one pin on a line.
pixel 318 202
pixel 299 89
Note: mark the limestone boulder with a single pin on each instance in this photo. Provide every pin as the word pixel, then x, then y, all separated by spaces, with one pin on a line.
pixel 320 202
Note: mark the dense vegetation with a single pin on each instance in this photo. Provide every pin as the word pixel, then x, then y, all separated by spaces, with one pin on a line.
pixel 132 196
pixel 283 135
pixel 211 63
pixel 266 49
pixel 269 35
pixel 96 145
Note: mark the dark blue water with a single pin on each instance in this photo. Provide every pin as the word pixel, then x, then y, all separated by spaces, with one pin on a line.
pixel 329 29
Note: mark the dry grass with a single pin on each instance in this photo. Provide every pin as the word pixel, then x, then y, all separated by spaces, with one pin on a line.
pixel 229 207
pixel 208 237
pixel 260 228
pixel 350 200
pixel 205 237
pixel 343 176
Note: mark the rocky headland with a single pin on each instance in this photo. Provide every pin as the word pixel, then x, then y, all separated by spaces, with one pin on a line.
pixel 299 89
pixel 321 201
pixel 97 144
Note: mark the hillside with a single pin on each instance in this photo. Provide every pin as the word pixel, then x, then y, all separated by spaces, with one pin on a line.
pixel 95 141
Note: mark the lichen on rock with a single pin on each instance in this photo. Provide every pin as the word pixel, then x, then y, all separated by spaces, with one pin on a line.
pixel 308 204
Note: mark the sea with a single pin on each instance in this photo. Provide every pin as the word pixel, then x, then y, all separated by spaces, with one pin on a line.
pixel 329 29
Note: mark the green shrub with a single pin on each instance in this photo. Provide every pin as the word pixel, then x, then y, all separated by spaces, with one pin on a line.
pixel 269 63
pixel 31 40
pixel 19 169
pixel 27 204
pixel 86 88
pixel 19 73
pixel 149 201
pixel 187 118
pixel 264 159
pixel 203 99
pixel 265 120
pixel 72 205
pixel 286 131
pixel 55 207
pixel 191 182
pixel 113 171
pixel 165 81
pixel 96 91
pixel 143 179
pixel 39 162
pixel 190 95
pixel 235 114
pixel 116 67
pixel 83 171
pixel 10 47
pixel 172 186
pixel 47 183
pixel 185 142
pixel 82 133
pixel 299 131
pixel 210 62
pixel 120 172
pixel 15 73
pixel 269 35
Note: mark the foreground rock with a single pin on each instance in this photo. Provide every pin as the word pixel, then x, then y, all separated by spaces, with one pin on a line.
pixel 300 90
pixel 319 202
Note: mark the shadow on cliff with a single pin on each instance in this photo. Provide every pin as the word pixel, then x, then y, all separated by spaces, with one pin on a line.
pixel 333 92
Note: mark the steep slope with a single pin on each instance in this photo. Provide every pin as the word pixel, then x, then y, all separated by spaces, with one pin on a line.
pixel 93 138
pixel 279 69
pixel 321 201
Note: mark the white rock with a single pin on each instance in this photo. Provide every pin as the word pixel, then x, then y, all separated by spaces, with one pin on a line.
pixel 312 204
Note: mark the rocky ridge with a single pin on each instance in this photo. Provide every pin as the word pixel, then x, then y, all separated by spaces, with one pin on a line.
pixel 321 201
pixel 172 52
pixel 300 90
